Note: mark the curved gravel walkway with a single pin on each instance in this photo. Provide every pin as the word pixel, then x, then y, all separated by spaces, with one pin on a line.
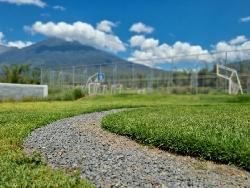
pixel 109 160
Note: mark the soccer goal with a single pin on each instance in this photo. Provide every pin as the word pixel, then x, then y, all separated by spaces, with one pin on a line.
pixel 231 75
pixel 95 84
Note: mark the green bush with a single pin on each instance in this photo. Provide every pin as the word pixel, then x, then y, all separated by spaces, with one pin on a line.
pixel 78 93
pixel 181 90
pixel 66 94
pixel 243 98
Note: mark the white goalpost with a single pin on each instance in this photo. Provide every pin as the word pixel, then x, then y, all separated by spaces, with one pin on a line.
pixel 95 84
pixel 231 75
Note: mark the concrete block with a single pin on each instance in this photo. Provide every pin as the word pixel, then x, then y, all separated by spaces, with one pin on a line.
pixel 19 91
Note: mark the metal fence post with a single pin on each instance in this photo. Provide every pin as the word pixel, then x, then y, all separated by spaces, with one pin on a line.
pixel 73 76
pixel 248 84
pixel 225 58
pixel 151 78
pixel 114 73
pixel 86 71
pixel 100 70
pixel 172 74
pixel 41 76
pixel 133 76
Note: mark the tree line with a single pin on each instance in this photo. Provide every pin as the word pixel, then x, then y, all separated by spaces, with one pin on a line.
pixel 21 74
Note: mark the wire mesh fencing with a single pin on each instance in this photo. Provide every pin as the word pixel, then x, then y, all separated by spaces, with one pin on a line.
pixel 179 74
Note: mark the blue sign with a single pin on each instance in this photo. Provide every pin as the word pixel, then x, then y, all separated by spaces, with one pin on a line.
pixel 101 77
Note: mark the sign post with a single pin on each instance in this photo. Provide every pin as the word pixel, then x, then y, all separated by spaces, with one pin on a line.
pixel 101 77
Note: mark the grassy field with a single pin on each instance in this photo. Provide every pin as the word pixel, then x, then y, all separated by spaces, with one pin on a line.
pixel 17 120
pixel 214 132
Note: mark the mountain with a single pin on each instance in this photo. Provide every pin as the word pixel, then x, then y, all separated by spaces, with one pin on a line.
pixel 4 49
pixel 60 56
pixel 57 53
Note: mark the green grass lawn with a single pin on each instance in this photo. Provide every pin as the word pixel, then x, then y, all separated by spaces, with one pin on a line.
pixel 17 120
pixel 214 132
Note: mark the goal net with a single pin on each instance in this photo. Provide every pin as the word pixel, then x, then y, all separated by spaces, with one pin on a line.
pixel 231 75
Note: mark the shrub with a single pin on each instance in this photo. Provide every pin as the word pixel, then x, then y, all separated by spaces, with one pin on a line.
pixel 66 94
pixel 78 93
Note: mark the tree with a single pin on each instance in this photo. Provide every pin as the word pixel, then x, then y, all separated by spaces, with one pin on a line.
pixel 35 76
pixel 19 74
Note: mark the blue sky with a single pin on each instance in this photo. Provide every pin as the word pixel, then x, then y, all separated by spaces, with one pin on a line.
pixel 196 22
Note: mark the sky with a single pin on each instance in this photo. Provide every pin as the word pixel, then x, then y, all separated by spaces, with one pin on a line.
pixel 138 30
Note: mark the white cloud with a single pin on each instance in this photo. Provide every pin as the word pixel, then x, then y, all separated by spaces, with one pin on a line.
pixel 236 44
pixel 106 26
pixel 1 37
pixel 38 3
pixel 245 19
pixel 238 49
pixel 150 44
pixel 143 43
pixel 141 28
pixel 150 52
pixel 59 7
pixel 81 32
pixel 136 40
pixel 238 40
pixel 17 44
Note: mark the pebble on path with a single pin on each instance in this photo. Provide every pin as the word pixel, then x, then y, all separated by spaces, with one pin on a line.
pixel 110 160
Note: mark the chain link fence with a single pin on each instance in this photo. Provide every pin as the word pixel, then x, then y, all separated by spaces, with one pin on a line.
pixel 180 74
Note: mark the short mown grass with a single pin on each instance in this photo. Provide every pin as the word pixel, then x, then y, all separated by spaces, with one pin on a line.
pixel 18 119
pixel 214 132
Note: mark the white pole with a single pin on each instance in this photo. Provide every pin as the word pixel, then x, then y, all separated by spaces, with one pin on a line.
pixel 41 76
pixel 230 86
pixel 73 76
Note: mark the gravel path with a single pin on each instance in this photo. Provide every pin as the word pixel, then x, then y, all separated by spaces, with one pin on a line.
pixel 109 160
